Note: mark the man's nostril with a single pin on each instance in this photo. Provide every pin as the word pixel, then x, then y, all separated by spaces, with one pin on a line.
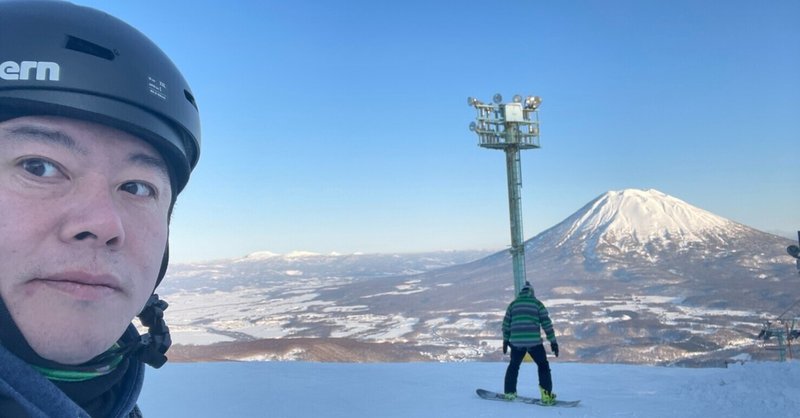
pixel 83 235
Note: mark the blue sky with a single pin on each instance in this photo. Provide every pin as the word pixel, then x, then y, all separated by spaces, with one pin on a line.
pixel 342 125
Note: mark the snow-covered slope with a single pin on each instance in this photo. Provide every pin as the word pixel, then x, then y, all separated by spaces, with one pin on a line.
pixel 447 390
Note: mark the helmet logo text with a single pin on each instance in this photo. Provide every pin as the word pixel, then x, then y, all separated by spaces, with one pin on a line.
pixel 29 70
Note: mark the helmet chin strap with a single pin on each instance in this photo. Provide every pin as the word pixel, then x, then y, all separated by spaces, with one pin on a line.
pixel 154 344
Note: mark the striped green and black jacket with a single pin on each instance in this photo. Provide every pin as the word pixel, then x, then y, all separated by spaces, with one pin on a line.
pixel 525 317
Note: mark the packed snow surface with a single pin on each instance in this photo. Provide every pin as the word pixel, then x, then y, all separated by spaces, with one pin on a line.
pixel 442 390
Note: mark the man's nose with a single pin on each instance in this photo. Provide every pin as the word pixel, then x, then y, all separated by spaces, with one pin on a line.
pixel 95 219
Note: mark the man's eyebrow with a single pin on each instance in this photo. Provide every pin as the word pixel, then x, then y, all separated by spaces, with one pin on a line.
pixel 51 136
pixel 149 161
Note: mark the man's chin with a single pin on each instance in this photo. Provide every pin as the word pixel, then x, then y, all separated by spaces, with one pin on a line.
pixel 74 349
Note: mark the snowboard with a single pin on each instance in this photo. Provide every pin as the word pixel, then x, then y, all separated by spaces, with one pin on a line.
pixel 494 396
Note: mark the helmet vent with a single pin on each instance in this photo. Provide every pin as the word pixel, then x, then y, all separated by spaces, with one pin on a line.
pixel 91 48
pixel 190 98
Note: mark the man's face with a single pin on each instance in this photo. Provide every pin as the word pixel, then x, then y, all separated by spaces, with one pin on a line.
pixel 83 228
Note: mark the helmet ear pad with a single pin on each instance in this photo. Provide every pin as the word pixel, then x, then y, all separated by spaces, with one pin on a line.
pixel 165 260
pixel 164 265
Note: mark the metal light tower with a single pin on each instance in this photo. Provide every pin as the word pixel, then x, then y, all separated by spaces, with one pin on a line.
pixel 511 127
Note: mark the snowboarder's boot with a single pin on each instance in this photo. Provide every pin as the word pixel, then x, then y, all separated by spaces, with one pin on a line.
pixel 548 398
pixel 510 396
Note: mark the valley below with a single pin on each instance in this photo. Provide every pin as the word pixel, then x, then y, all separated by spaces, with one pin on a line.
pixel 696 291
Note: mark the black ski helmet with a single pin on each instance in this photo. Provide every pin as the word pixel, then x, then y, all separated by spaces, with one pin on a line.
pixel 527 289
pixel 58 58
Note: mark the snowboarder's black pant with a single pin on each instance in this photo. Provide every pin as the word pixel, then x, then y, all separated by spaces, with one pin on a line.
pixel 539 356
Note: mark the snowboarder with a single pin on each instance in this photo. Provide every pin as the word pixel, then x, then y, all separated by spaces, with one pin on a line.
pixel 525 317
pixel 99 132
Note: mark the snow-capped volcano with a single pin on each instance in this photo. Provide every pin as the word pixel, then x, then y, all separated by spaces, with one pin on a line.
pixel 635 217
pixel 633 223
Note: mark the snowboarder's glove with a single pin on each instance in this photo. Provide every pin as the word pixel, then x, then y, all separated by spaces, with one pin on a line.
pixel 554 348
pixel 505 346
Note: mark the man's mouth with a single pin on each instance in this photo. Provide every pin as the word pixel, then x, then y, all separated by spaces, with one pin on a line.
pixel 82 286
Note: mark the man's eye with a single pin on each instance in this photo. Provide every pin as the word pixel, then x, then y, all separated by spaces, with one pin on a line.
pixel 40 168
pixel 138 188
